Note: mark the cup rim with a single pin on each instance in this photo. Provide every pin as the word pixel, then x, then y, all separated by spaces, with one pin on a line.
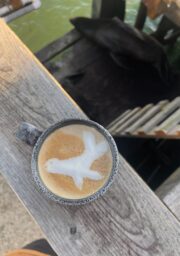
pixel 34 162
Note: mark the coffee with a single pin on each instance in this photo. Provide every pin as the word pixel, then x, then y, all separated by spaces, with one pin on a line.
pixel 75 161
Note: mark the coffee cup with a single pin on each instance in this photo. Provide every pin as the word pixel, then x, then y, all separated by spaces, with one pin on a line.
pixel 73 161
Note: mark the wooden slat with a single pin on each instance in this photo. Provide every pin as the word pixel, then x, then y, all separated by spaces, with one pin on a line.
pixel 128 220
pixel 169 193
pixel 168 109
pixel 160 107
pixel 169 124
pixel 134 118
pixel 176 131
pixel 59 45
pixel 161 121
pixel 119 118
pixel 147 116
pixel 120 121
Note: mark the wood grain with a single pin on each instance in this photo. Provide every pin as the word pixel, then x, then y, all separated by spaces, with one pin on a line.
pixel 169 193
pixel 128 220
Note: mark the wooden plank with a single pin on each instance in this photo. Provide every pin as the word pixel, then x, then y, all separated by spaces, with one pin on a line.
pixel 128 220
pixel 169 124
pixel 169 193
pixel 176 131
pixel 59 45
pixel 166 110
pixel 122 128
pixel 113 128
pixel 147 116
pixel 118 118
pixel 160 107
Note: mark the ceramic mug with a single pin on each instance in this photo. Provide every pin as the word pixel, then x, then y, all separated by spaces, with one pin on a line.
pixel 32 136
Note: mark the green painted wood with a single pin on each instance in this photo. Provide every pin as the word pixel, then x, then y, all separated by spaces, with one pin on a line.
pixel 56 47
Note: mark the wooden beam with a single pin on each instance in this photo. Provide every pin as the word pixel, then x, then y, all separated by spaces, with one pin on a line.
pixel 58 46
pixel 128 220
pixel 108 9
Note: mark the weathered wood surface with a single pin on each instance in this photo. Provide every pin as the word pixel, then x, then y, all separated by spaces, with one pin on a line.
pixel 169 193
pixel 128 220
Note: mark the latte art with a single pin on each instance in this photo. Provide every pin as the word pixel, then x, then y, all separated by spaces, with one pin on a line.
pixel 79 167
pixel 75 161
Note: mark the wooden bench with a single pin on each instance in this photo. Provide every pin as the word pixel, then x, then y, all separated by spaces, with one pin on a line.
pixel 128 220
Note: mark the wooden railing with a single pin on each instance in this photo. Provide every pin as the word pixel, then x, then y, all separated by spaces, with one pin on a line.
pixel 128 220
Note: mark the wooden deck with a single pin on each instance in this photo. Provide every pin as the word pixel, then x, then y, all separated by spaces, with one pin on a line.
pixel 128 220
pixel 97 84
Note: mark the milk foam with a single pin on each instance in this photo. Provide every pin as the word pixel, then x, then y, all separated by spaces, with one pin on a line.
pixel 78 167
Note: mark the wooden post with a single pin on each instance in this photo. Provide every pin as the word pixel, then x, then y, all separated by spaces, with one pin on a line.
pixel 164 26
pixel 108 9
pixel 141 16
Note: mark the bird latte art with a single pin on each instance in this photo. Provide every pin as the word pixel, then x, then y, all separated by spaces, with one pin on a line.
pixel 75 161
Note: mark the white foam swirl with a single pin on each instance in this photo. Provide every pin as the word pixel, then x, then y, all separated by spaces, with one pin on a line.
pixel 79 167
